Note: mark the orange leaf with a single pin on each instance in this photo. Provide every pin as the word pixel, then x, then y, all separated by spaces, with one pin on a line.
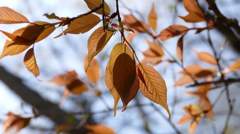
pixel 179 50
pixel 132 22
pixel 75 87
pixel 65 78
pixel 92 70
pixel 97 42
pixel 82 24
pixel 207 57
pixel 99 129
pixel 172 31
pixel 15 123
pixel 92 4
pixel 9 16
pixel 235 66
pixel 30 62
pixel 195 12
pixel 152 85
pixel 152 18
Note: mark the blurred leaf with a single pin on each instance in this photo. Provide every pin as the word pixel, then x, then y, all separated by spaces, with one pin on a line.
pixel 152 18
pixel 132 22
pixel 64 79
pixel 99 129
pixel 172 31
pixel 9 16
pixel 179 50
pixel 92 70
pixel 207 57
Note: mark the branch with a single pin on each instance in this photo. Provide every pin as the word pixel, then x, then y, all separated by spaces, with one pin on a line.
pixel 229 81
pixel 27 94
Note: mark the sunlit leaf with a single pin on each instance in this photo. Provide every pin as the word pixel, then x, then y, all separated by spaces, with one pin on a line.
pixel 152 85
pixel 93 4
pixel 9 16
pixel 82 24
pixel 207 57
pixel 179 50
pixel 97 41
pixel 172 31
pixel 235 66
pixel 30 62
pixel 75 87
pixel 14 123
pixel 92 70
pixel 152 18
pixel 99 129
pixel 64 79
pixel 132 22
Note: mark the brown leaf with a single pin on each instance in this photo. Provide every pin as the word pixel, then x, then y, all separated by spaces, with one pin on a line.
pixel 235 66
pixel 99 129
pixel 124 78
pixel 172 31
pixel 82 24
pixel 15 123
pixel 93 4
pixel 152 85
pixel 9 16
pixel 24 37
pixel 152 18
pixel 97 42
pixel 75 87
pixel 30 62
pixel 92 70
pixel 207 57
pixel 64 79
pixel 132 22
pixel 195 12
pixel 179 50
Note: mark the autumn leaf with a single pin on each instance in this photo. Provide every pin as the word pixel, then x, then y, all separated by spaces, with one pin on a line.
pixel 14 123
pixel 154 54
pixel 82 24
pixel 132 22
pixel 99 129
pixel 92 70
pixel 9 16
pixel 183 80
pixel 97 41
pixel 235 66
pixel 172 31
pixel 195 13
pixel 93 4
pixel 64 79
pixel 179 50
pixel 152 85
pixel 30 62
pixel 207 57
pixel 75 87
pixel 24 37
pixel 152 18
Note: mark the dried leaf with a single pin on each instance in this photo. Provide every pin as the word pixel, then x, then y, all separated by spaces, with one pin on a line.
pixel 152 85
pixel 82 24
pixel 183 80
pixel 152 18
pixel 99 129
pixel 15 123
pixel 207 57
pixel 97 42
pixel 30 62
pixel 75 87
pixel 93 4
pixel 65 78
pixel 132 22
pixel 179 50
pixel 195 12
pixel 9 16
pixel 172 31
pixel 92 70
pixel 235 66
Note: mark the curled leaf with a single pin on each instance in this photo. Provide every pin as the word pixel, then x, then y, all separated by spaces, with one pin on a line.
pixel 30 62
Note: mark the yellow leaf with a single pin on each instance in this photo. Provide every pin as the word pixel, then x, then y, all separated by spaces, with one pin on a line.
pixel 9 16
pixel 172 31
pixel 92 70
pixel 93 4
pixel 152 85
pixel 207 57
pixel 195 12
pixel 235 66
pixel 31 63
pixel 152 18
pixel 64 79
pixel 15 123
pixel 82 24
pixel 99 129
pixel 97 42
